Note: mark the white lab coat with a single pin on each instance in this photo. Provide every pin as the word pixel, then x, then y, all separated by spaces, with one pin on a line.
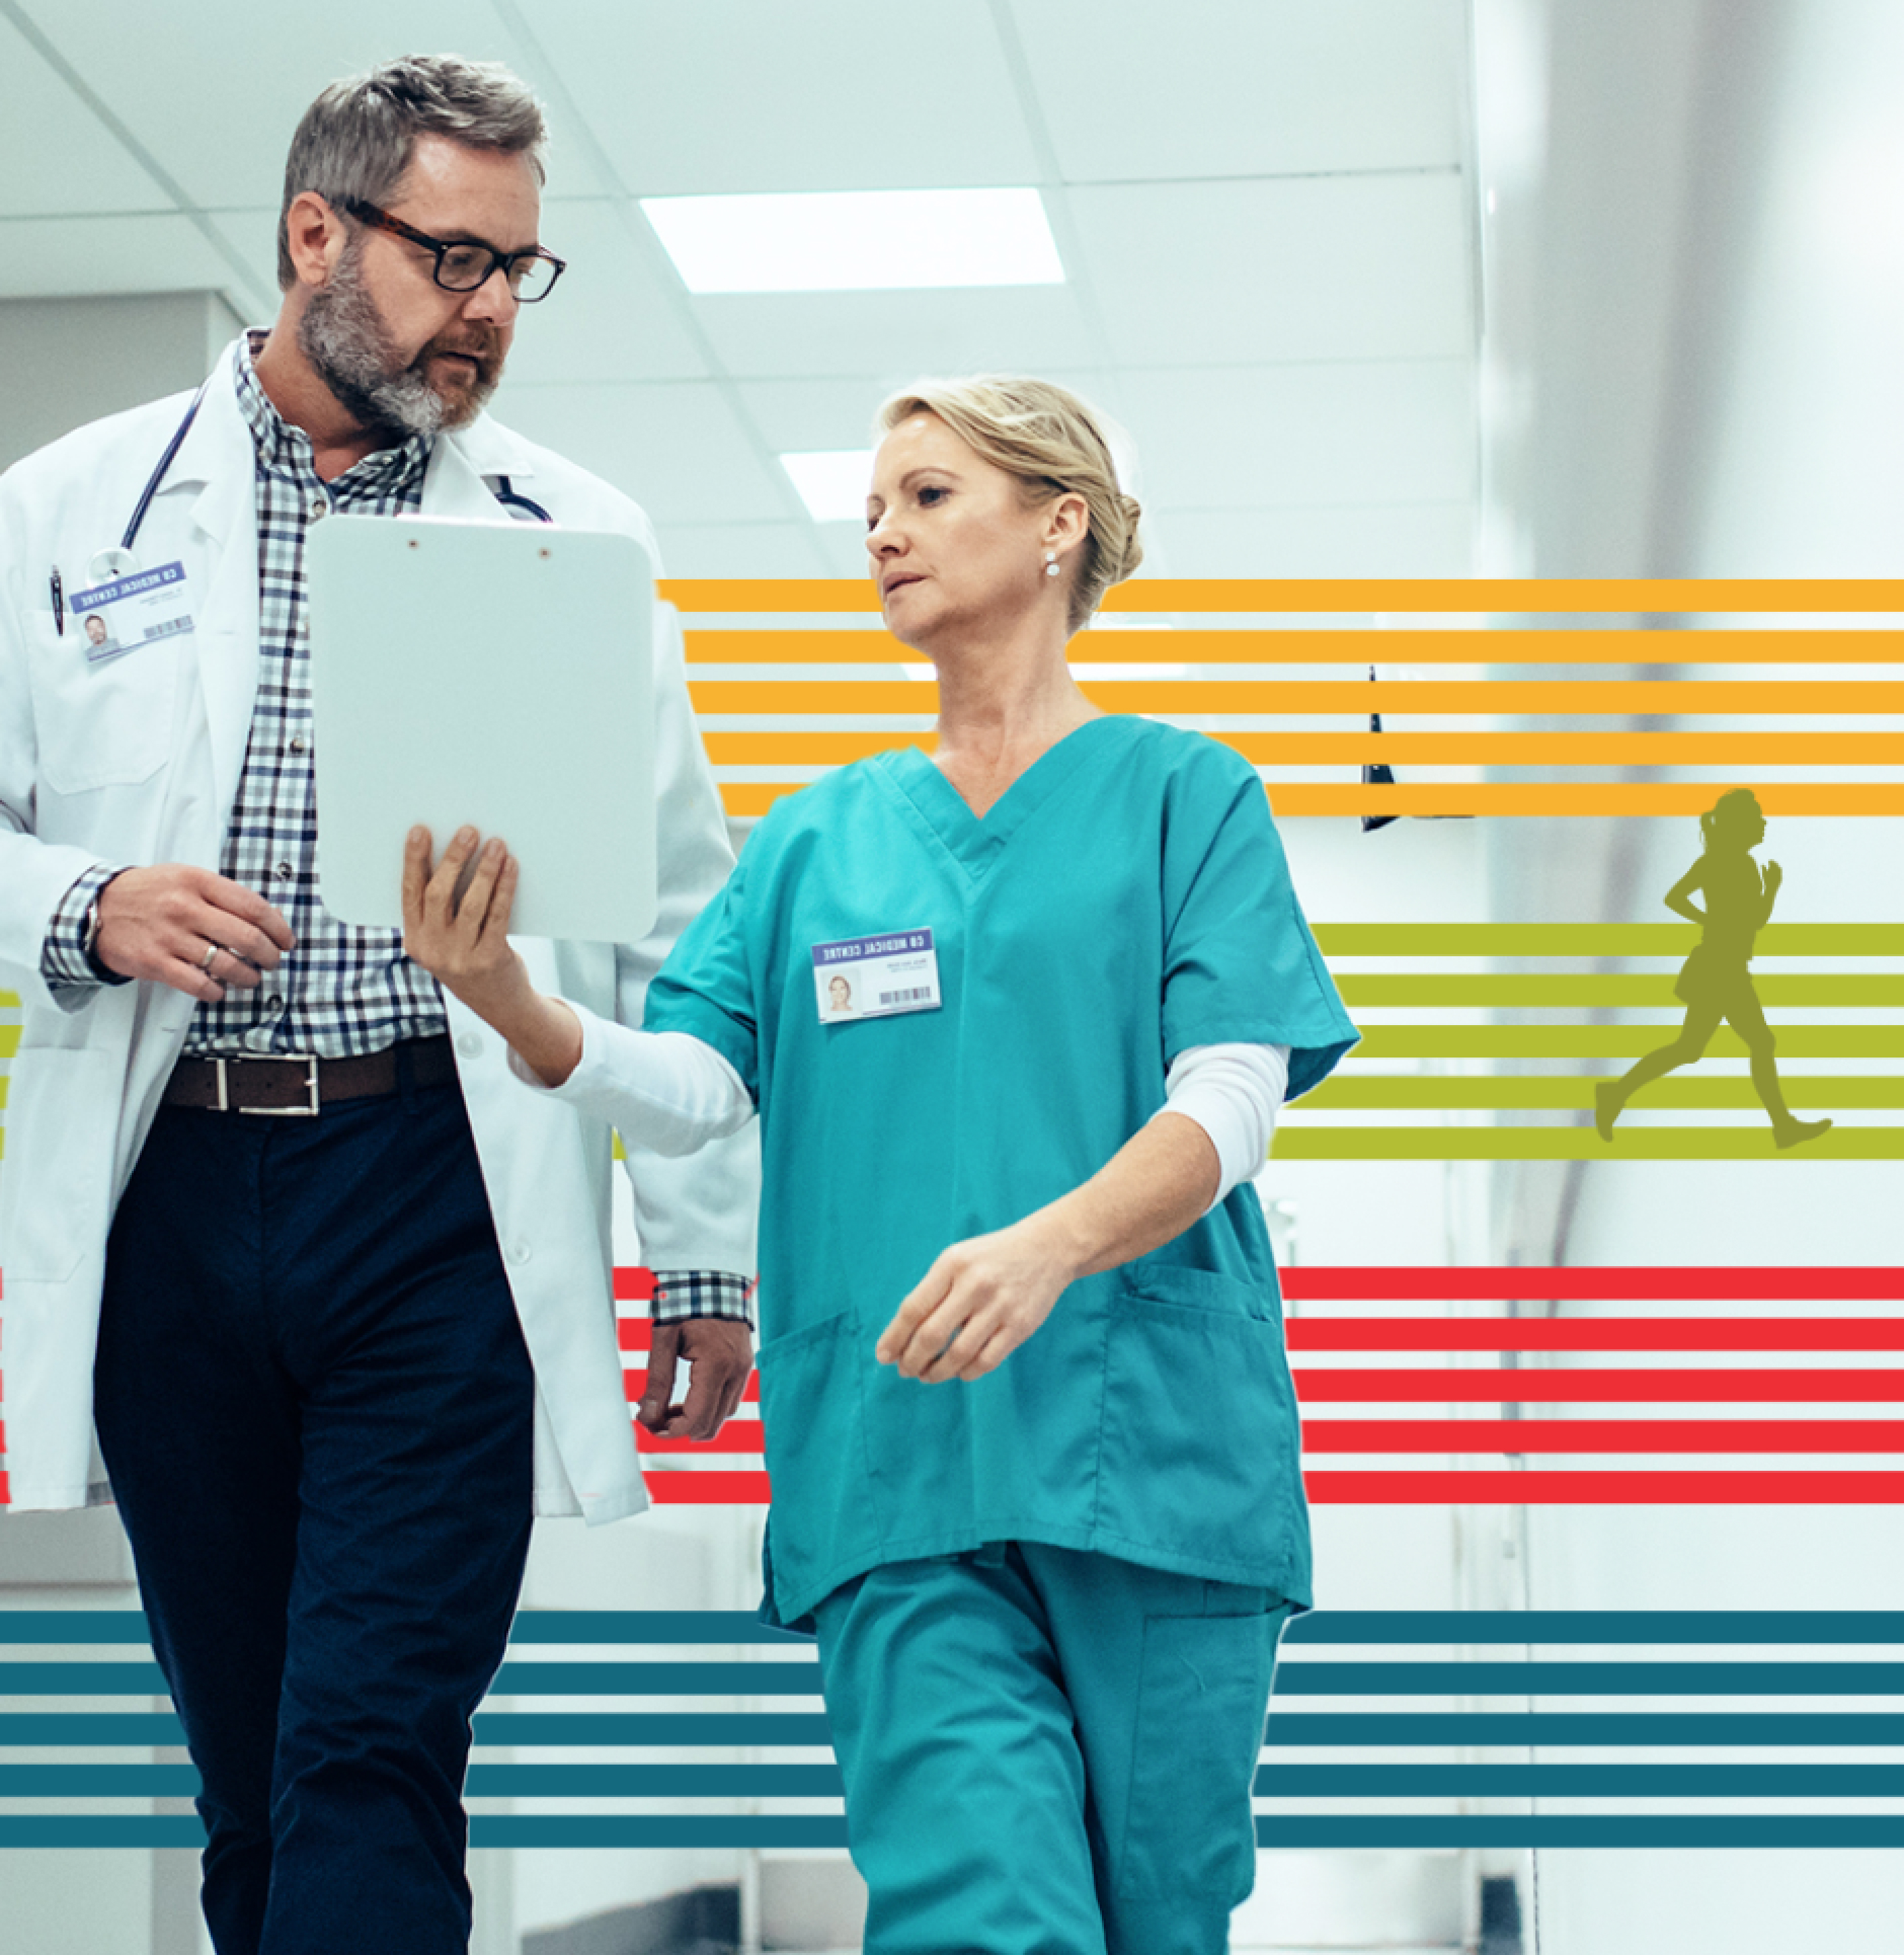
pixel 137 761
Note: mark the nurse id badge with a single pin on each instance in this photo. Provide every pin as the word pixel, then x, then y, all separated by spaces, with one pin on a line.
pixel 133 610
pixel 876 977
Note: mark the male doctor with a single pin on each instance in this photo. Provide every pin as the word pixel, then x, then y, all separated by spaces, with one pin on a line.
pixel 334 1289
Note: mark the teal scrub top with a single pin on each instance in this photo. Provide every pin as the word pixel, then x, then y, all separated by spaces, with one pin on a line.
pixel 1126 899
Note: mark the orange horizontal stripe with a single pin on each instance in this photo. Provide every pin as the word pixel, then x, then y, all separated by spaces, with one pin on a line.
pixel 1297 646
pixel 830 698
pixel 1615 597
pixel 1745 751
pixel 1496 797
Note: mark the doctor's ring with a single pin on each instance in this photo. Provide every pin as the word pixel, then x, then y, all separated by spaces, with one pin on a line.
pixel 210 951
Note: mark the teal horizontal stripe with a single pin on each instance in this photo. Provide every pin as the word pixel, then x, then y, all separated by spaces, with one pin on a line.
pixel 1303 1678
pixel 73 1625
pixel 1548 1781
pixel 658 1727
pixel 1306 1677
pixel 1286 1728
pixel 1279 1781
pixel 1673 1831
pixel 89 1626
pixel 1780 1830
pixel 82 1679
pixel 655 1781
pixel 556 1829
pixel 648 1626
pixel 1588 1728
pixel 90 1727
pixel 653 1680
pixel 1596 1625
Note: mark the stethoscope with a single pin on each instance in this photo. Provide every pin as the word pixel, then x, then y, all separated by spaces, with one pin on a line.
pixel 108 564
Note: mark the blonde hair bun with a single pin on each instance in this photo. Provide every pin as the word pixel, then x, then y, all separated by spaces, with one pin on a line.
pixel 1053 442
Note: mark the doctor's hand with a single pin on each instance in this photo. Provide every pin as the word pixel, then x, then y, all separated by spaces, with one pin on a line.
pixel 720 1351
pixel 980 1300
pixel 464 945
pixel 185 927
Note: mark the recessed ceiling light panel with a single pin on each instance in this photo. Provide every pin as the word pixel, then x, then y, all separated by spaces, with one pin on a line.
pixel 832 482
pixel 856 240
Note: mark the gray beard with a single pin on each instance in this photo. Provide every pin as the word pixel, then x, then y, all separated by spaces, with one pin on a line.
pixel 343 337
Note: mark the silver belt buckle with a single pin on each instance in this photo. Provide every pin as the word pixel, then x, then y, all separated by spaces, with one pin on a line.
pixel 309 1059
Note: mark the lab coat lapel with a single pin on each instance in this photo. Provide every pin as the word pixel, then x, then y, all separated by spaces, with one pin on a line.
pixel 218 455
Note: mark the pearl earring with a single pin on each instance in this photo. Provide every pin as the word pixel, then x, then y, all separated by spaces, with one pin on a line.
pixel 1051 563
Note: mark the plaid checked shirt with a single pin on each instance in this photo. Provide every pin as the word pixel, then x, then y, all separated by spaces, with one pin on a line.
pixel 344 991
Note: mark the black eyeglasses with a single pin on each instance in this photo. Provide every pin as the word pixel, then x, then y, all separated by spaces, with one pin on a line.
pixel 463 266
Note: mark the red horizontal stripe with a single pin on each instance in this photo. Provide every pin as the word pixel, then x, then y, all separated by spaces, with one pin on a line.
pixel 1331 1489
pixel 704 1490
pixel 635 1382
pixel 1337 1384
pixel 633 1282
pixel 1595 1333
pixel 1399 1282
pixel 737 1435
pixel 1603 1435
pixel 636 1333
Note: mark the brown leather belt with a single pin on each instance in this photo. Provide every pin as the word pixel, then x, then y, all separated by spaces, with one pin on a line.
pixel 302 1083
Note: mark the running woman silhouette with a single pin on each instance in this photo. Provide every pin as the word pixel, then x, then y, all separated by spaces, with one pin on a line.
pixel 1714 983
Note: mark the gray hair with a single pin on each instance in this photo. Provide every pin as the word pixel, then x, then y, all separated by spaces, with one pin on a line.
pixel 1052 441
pixel 356 138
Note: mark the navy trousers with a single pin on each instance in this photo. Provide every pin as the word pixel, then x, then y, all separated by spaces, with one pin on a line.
pixel 314 1401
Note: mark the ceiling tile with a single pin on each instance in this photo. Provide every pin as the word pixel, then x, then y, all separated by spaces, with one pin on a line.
pixel 70 257
pixel 732 95
pixel 1258 437
pixel 59 157
pixel 674 447
pixel 1247 87
pixel 1420 540
pixel 1322 268
pixel 215 97
pixel 897 336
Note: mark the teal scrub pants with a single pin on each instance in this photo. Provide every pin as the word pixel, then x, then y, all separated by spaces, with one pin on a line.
pixel 1048 1752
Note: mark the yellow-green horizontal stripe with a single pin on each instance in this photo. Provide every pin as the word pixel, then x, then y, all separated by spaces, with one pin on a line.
pixel 1554 989
pixel 1351 1093
pixel 1615 1042
pixel 1630 1143
pixel 9 1040
pixel 9 1001
pixel 1597 939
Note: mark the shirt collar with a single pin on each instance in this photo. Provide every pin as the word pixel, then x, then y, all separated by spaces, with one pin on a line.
pixel 384 470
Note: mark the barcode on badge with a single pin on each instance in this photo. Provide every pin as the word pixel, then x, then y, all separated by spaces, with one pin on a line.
pixel 905 997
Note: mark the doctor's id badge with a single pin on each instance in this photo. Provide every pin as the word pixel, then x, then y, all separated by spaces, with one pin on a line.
pixel 876 976
pixel 131 611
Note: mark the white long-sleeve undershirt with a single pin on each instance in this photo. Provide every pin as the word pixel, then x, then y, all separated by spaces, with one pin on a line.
pixel 671 1093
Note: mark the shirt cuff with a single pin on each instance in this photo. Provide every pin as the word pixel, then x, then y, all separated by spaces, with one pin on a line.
pixel 1231 1092
pixel 63 964
pixel 684 1293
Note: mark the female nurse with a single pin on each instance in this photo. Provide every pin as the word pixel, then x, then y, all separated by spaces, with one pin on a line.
pixel 1032 1438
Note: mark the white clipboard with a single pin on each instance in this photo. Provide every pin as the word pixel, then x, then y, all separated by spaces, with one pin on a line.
pixel 496 673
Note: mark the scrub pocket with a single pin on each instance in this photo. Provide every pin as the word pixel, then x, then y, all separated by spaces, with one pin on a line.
pixel 1203 1697
pixel 1200 1434
pixel 813 1406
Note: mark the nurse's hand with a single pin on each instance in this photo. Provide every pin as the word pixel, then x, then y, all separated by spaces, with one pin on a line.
pixel 980 1300
pixel 464 943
